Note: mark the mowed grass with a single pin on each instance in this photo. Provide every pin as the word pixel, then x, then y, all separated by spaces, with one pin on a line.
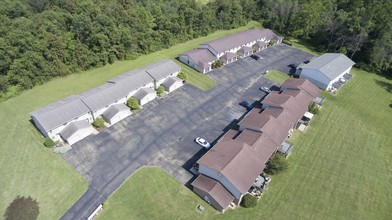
pixel 29 169
pixel 276 76
pixel 341 168
pixel 153 194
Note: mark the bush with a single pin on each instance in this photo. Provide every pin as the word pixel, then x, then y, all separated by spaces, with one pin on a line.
pixel 216 64
pixel 49 143
pixel 160 90
pixel 313 108
pixel 22 208
pixel 99 123
pixel 249 201
pixel 183 76
pixel 277 164
pixel 133 103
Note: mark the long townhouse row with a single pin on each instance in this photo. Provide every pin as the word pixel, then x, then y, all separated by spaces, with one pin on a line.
pixel 228 48
pixel 229 169
pixel 70 119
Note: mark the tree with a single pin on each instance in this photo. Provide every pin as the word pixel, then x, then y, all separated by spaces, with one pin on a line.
pixel 216 64
pixel 99 123
pixel 277 164
pixel 49 143
pixel 248 201
pixel 160 90
pixel 313 108
pixel 22 208
pixel 133 103
pixel 183 76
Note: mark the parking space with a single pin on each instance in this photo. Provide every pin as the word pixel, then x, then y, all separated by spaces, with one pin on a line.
pixel 163 133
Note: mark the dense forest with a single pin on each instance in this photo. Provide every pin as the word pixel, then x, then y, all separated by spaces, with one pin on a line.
pixel 42 39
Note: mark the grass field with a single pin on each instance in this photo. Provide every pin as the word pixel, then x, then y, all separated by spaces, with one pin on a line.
pixel 27 168
pixel 155 195
pixel 341 168
pixel 276 76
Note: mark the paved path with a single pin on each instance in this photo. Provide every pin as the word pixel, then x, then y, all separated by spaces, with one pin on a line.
pixel 163 133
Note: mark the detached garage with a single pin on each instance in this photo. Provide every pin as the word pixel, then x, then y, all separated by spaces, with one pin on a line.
pixel 116 113
pixel 327 69
pixel 145 95
pixel 76 131
pixel 172 83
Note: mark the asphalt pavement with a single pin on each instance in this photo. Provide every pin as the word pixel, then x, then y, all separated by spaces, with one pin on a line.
pixel 162 134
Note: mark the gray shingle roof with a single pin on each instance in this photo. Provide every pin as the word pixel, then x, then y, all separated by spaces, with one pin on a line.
pixel 133 79
pixel 239 39
pixel 141 93
pixel 162 69
pixel 170 81
pixel 104 95
pixel 60 112
pixel 114 110
pixel 74 127
pixel 330 64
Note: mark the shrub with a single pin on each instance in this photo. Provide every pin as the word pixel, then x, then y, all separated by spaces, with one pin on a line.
pixel 249 201
pixel 133 103
pixel 160 90
pixel 22 208
pixel 183 76
pixel 216 64
pixel 277 164
pixel 313 108
pixel 49 143
pixel 99 123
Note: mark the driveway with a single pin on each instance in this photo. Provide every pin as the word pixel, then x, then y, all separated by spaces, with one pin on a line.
pixel 163 133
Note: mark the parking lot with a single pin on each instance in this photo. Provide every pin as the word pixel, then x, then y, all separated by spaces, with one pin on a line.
pixel 163 133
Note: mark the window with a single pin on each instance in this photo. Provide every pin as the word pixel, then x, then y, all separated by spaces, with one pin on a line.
pixel 207 199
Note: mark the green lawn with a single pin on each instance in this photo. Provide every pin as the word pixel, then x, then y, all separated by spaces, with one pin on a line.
pixel 27 168
pixel 153 194
pixel 341 168
pixel 276 76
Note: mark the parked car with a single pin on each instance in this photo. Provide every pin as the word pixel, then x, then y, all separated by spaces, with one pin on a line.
pixel 265 89
pixel 293 66
pixel 342 80
pixel 202 142
pixel 247 105
pixel 255 56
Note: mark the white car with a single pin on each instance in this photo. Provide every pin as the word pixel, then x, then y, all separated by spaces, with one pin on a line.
pixel 342 80
pixel 202 142
pixel 265 89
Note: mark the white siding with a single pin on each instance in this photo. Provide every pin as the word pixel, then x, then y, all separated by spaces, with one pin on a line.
pixel 222 179
pixel 79 135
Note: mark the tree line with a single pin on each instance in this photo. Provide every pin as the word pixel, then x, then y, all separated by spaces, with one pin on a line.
pixel 361 29
pixel 42 39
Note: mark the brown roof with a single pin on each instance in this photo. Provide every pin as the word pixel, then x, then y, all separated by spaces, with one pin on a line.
pixel 236 161
pixel 303 84
pixel 229 135
pixel 229 55
pixel 239 39
pixel 215 189
pixel 260 44
pixel 245 49
pixel 276 99
pixel 259 142
pixel 201 57
pixel 274 128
